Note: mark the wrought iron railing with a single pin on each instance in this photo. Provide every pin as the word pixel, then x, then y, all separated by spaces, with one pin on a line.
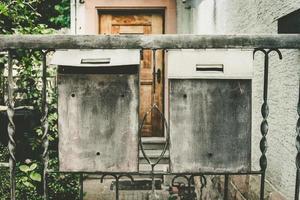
pixel 263 43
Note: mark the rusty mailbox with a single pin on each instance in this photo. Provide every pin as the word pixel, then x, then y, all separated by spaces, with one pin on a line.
pixel 210 110
pixel 98 104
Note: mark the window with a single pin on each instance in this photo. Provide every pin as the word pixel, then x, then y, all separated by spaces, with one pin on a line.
pixel 289 23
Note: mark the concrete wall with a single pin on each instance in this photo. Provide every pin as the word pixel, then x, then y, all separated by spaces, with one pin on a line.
pixel 259 17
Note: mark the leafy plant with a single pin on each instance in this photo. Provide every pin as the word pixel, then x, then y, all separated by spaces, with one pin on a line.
pixel 30 175
pixel 35 17
pixel 63 17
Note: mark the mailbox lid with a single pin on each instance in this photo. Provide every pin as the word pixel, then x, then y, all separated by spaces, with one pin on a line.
pixel 96 58
pixel 210 64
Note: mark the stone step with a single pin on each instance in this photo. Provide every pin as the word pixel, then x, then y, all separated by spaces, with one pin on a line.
pixel 154 155
pixel 153 143
pixel 158 168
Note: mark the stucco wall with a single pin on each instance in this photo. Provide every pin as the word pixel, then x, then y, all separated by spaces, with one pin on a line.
pixel 260 17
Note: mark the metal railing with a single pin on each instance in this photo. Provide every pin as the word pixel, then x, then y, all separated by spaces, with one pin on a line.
pixel 46 43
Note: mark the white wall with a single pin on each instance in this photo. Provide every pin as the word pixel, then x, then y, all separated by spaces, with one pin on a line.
pixel 260 17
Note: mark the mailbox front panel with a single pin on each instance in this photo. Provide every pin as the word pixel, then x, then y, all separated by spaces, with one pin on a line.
pixel 210 125
pixel 98 122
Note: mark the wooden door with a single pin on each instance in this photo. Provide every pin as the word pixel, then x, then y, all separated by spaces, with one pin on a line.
pixel 151 80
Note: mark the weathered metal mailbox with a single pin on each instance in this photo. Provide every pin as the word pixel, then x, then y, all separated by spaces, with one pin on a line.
pixel 210 110
pixel 98 104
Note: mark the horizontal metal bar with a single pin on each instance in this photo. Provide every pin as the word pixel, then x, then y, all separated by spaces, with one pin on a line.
pixel 4 164
pixel 286 41
pixel 162 173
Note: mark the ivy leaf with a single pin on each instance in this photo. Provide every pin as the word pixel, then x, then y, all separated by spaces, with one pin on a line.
pixel 32 167
pixel 35 176
pixel 24 178
pixel 28 184
pixel 24 168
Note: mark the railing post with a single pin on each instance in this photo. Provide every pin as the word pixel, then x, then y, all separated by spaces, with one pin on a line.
pixel 264 127
pixel 298 150
pixel 11 129
pixel 226 186
pixel 44 123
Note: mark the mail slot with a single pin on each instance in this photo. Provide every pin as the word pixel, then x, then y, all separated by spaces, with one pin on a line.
pixel 98 104
pixel 210 94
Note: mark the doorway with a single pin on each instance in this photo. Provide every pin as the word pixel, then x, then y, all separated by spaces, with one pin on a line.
pixel 142 22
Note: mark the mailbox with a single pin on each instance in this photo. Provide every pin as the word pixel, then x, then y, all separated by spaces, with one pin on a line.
pixel 210 110
pixel 98 105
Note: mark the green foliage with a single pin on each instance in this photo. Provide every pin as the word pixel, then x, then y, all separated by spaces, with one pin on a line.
pixel 30 176
pixel 4 155
pixel 35 17
pixel 63 17
pixel 62 186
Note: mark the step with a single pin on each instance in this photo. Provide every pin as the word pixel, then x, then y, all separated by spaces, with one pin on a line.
pixel 154 155
pixel 153 143
pixel 158 168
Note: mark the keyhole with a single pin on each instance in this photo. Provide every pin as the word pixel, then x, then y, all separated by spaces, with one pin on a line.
pixel 98 153
pixel 73 95
pixel 185 96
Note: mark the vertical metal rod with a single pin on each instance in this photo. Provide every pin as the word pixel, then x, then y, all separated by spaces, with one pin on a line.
pixel 153 181
pixel 226 183
pixel 264 127
pixel 117 188
pixel 11 128
pixel 297 185
pixel 298 150
pixel 81 186
pixel 45 124
pixel 262 185
pixel 189 186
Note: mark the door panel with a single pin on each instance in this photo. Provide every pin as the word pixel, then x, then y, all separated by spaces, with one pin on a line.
pixel 151 91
